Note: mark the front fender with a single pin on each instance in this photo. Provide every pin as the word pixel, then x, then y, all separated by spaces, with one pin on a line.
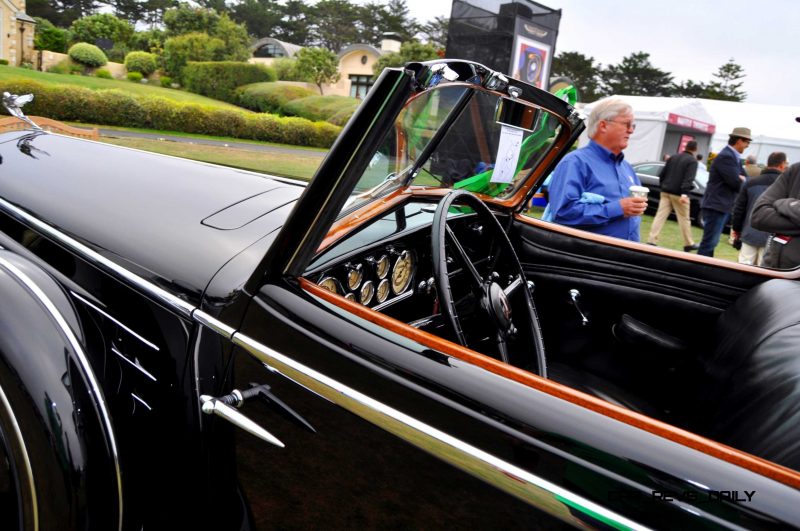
pixel 54 424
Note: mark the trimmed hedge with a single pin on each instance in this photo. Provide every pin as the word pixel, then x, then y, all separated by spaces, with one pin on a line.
pixel 142 62
pixel 87 54
pixel 334 109
pixel 269 97
pixel 117 107
pixel 219 79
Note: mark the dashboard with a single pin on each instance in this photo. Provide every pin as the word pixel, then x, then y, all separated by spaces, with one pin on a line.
pixel 386 265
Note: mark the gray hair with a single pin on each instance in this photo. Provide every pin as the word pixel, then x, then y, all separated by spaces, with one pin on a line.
pixel 751 159
pixel 605 110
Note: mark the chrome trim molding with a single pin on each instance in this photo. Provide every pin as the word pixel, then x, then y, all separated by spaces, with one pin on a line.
pixel 214 324
pixel 164 297
pixel 133 364
pixel 145 404
pixel 116 321
pixel 530 488
pixel 398 298
pixel 25 457
pixel 84 364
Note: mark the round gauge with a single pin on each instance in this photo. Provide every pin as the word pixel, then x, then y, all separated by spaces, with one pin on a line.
pixel 350 297
pixel 367 291
pixel 354 277
pixel 382 292
pixel 330 284
pixel 382 266
pixel 402 272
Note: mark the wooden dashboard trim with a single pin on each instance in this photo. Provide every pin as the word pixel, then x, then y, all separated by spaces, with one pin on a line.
pixel 656 427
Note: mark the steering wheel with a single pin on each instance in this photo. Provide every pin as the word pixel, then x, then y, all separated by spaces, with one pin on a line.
pixel 493 293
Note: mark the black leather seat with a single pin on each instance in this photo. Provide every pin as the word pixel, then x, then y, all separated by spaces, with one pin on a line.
pixel 754 374
pixel 748 396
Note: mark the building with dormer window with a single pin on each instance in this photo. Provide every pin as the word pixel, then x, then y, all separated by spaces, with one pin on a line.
pixel 16 33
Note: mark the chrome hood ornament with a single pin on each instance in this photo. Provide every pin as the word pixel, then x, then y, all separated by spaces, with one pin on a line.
pixel 13 105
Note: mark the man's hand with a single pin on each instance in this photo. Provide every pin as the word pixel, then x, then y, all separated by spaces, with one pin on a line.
pixel 684 199
pixel 633 206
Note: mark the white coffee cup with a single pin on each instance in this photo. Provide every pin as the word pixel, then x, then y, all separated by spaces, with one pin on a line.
pixel 639 191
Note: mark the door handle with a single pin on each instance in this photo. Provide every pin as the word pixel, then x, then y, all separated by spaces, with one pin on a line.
pixel 575 295
pixel 215 406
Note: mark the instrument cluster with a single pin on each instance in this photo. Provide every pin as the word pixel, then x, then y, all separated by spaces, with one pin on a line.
pixel 374 280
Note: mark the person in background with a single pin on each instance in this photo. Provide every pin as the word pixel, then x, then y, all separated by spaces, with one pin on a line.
pixel 677 180
pixel 724 180
pixel 754 241
pixel 751 167
pixel 590 186
pixel 778 211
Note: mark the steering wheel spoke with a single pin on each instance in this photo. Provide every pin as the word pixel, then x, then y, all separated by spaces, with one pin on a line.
pixel 511 344
pixel 475 280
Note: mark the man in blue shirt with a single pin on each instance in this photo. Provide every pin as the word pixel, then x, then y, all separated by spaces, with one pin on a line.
pixel 590 186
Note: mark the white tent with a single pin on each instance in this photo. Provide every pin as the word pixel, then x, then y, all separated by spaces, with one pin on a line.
pixel 660 120
pixel 660 125
pixel 773 126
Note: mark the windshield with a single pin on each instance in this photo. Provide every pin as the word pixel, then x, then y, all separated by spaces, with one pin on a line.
pixel 459 136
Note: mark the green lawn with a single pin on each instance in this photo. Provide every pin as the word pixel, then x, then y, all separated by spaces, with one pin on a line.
pixel 96 83
pixel 301 165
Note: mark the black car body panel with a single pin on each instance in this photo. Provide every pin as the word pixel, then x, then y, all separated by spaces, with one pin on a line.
pixel 271 355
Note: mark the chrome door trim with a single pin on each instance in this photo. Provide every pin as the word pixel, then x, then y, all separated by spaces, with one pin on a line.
pixel 25 457
pixel 502 474
pixel 164 297
pixel 83 363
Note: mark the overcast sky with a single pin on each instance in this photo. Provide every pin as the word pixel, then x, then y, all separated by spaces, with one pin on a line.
pixel 689 39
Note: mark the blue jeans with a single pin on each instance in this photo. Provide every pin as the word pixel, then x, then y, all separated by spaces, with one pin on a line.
pixel 713 223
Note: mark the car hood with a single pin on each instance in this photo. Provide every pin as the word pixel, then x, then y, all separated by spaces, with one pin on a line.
pixel 172 221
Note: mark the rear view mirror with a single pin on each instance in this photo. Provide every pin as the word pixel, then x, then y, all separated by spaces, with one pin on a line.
pixel 516 114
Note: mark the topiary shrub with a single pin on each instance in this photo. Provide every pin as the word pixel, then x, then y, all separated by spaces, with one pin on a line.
pixel 165 81
pixel 220 79
pixel 117 107
pixel 269 97
pixel 142 62
pixel 3 61
pixel 328 108
pixel 136 77
pixel 87 54
pixel 103 73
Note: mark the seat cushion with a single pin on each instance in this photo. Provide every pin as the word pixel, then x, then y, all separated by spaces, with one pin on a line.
pixel 754 374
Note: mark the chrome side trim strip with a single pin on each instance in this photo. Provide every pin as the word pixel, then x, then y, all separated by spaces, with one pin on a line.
pixel 214 324
pixel 145 404
pixel 84 364
pixel 115 321
pixel 531 488
pixel 164 297
pixel 25 457
pixel 133 364
pixel 399 298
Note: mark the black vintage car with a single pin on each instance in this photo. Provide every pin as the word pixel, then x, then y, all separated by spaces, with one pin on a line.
pixel 395 345
pixel 648 175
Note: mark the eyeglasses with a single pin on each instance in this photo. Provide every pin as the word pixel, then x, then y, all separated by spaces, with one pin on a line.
pixel 628 125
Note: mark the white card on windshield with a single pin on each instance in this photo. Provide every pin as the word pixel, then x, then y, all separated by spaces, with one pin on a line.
pixel 505 166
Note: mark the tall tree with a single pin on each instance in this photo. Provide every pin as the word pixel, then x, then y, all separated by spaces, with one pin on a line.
pixel 435 32
pixel 636 76
pixel 294 24
pixel 689 89
pixel 583 72
pixel 260 16
pixel 334 24
pixel 727 85
pixel 395 18
pixel 187 19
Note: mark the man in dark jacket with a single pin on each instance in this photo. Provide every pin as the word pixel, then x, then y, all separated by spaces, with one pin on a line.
pixel 754 241
pixel 778 211
pixel 677 180
pixel 726 176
